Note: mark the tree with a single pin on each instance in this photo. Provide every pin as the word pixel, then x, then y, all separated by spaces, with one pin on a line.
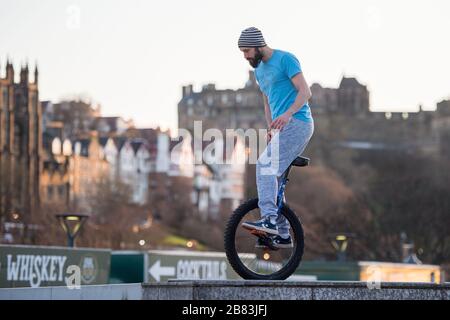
pixel 326 205
pixel 409 194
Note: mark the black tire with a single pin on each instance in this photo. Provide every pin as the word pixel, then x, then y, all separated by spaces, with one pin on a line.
pixel 232 254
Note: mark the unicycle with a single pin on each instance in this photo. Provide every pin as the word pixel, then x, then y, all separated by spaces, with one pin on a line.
pixel 253 254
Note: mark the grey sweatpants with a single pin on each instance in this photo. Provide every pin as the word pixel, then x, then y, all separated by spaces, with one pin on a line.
pixel 282 149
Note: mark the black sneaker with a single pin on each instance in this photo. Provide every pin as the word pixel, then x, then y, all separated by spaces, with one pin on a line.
pixel 279 242
pixel 261 225
pixel 260 244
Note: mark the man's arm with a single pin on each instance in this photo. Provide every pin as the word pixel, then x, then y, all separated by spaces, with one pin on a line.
pixel 303 95
pixel 267 112
pixel 268 115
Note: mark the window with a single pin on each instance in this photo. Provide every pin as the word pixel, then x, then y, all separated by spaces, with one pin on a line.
pixel 5 97
pixel 18 139
pixel 224 98
pixel 67 148
pixel 210 100
pixel 61 191
pixel 56 146
pixel 7 122
pixel 78 148
pixel 49 192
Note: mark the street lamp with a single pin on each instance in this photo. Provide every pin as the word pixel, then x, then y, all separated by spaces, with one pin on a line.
pixel 339 241
pixel 71 223
pixel 408 254
pixel 15 216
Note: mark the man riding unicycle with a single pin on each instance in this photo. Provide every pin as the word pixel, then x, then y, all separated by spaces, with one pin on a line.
pixel 289 121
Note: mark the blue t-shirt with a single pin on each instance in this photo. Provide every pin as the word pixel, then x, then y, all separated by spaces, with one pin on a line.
pixel 274 79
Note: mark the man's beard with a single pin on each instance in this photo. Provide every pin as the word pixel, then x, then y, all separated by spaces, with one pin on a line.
pixel 254 62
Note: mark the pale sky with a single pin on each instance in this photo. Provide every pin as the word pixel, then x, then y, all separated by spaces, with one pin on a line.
pixel 133 56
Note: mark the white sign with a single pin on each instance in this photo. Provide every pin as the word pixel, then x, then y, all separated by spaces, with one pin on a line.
pixel 156 271
pixel 35 268
pixel 190 269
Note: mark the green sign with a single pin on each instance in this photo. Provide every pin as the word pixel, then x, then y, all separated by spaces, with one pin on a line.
pixel 162 265
pixel 35 266
pixel 188 265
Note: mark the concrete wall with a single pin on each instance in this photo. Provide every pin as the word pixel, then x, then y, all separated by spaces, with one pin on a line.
pixel 94 292
pixel 237 290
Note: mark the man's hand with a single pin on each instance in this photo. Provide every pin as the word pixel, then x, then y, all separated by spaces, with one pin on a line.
pixel 269 135
pixel 281 121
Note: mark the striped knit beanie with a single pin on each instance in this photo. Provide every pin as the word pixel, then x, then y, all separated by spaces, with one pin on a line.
pixel 251 38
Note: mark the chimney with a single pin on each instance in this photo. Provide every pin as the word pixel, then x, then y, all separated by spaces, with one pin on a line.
pixel 24 74
pixel 209 87
pixel 187 90
pixel 9 71
pixel 36 74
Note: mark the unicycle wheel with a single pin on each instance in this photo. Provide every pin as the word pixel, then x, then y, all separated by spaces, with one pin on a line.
pixel 251 261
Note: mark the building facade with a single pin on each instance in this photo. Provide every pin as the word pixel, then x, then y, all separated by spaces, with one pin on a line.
pixel 78 117
pixel 222 109
pixel 88 166
pixel 20 145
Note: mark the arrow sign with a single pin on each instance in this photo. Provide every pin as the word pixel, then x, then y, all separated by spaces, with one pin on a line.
pixel 156 271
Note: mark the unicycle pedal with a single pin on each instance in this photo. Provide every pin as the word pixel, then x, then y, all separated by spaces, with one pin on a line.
pixel 264 239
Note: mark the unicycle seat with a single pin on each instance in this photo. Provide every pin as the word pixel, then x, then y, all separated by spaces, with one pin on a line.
pixel 300 162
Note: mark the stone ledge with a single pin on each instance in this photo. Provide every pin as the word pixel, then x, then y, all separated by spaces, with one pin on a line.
pixel 236 290
pixel 290 290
